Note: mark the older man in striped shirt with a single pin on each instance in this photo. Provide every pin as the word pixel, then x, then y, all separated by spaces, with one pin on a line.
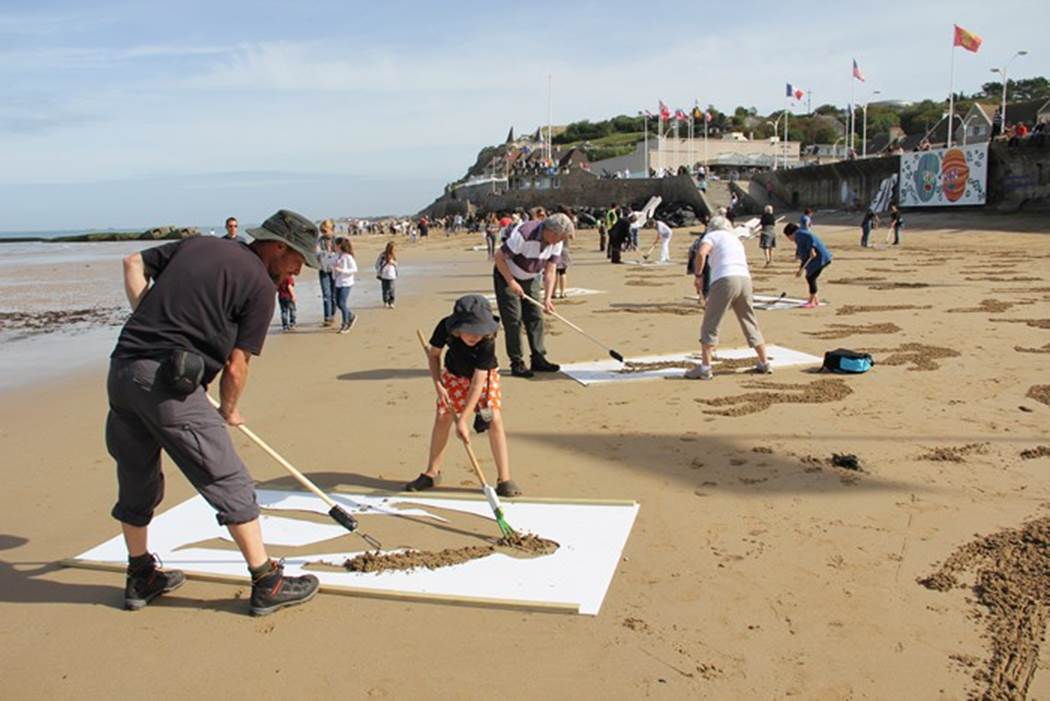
pixel 531 249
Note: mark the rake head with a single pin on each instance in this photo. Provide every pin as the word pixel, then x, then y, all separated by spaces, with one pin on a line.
pixel 504 528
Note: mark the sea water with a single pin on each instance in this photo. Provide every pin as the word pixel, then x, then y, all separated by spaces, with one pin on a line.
pixel 40 277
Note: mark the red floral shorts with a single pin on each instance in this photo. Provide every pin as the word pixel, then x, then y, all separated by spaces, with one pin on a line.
pixel 459 387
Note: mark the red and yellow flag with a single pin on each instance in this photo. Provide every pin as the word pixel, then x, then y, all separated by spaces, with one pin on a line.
pixel 967 40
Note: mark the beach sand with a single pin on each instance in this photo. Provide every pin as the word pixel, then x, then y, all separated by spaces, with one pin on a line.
pixel 755 568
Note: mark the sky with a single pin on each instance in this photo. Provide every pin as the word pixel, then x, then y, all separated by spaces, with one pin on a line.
pixel 138 114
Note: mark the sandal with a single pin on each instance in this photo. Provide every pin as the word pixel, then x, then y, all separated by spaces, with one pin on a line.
pixel 508 489
pixel 422 483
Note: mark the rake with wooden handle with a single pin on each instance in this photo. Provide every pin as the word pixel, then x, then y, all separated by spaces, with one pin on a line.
pixel 490 494
pixel 576 328
pixel 338 514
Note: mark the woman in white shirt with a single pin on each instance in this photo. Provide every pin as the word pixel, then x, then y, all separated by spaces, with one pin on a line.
pixel 730 287
pixel 386 271
pixel 343 270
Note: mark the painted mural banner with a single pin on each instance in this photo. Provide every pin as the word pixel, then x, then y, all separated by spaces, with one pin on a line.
pixel 945 177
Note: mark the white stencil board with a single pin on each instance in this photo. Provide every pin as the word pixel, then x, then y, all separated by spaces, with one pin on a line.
pixel 768 302
pixel 575 578
pixel 604 371
pixel 569 292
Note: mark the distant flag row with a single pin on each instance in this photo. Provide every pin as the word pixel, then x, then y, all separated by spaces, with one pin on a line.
pixel 679 115
pixel 966 39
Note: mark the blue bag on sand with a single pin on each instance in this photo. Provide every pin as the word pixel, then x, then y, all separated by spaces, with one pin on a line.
pixel 844 360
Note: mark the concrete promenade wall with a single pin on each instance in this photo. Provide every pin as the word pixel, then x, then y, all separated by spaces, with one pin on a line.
pixel 835 185
pixel 577 189
pixel 1018 177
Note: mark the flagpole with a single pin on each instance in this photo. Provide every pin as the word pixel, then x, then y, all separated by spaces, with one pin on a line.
pixel 784 146
pixel 549 141
pixel 706 113
pixel 691 118
pixel 645 127
pixel 852 116
pixel 951 98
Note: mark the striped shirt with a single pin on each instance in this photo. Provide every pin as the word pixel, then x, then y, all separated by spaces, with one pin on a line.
pixel 525 252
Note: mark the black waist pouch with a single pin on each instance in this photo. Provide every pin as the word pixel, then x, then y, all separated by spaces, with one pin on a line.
pixel 183 372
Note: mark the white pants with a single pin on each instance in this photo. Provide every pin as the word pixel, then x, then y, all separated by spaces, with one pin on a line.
pixel 665 250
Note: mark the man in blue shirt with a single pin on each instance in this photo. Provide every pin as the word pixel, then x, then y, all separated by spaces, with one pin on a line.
pixel 813 257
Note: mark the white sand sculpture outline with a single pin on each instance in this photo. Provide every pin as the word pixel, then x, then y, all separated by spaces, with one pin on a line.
pixel 574 579
pixel 606 371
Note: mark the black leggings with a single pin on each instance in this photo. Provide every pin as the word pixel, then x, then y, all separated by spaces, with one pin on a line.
pixel 811 278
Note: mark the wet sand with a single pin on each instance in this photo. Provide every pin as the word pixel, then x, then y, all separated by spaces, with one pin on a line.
pixel 749 574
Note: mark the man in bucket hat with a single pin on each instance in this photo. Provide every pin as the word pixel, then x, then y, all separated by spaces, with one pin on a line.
pixel 206 312
pixel 468 383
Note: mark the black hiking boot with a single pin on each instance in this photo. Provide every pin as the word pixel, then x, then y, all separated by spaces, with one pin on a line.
pixel 146 582
pixel 518 369
pixel 541 364
pixel 274 591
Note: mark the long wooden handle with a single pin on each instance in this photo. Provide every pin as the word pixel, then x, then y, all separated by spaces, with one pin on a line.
pixel 299 476
pixel 470 451
pixel 565 321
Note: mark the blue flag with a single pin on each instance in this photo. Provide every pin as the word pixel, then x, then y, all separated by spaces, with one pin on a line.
pixel 789 92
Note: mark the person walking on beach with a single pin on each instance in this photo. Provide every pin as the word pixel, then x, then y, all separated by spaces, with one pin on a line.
pixel 871 220
pixel 813 257
pixel 286 300
pixel 468 388
pixel 491 234
pixel 806 220
pixel 344 269
pixel 612 215
pixel 386 271
pixel 532 249
pixel 896 224
pixel 730 288
pixel 325 255
pixel 207 312
pixel 767 239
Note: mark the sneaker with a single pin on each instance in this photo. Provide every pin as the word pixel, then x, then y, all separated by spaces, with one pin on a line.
pixel 327 322
pixel 343 328
pixel 763 369
pixel 275 591
pixel 147 584
pixel 353 322
pixel 518 369
pixel 699 372
pixel 541 364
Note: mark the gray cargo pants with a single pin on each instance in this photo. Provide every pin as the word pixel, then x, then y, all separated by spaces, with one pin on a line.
pixel 513 312
pixel 145 417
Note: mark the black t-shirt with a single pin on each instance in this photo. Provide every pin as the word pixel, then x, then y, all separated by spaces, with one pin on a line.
pixel 209 296
pixel 462 360
pixel 767 219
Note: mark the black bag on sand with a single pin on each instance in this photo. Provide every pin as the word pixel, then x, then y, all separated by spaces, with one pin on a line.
pixel 845 360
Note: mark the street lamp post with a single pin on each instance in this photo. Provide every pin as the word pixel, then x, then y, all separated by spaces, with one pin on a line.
pixel 1002 72
pixel 776 131
pixel 864 129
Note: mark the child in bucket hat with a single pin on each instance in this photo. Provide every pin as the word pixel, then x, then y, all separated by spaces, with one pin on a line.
pixel 467 383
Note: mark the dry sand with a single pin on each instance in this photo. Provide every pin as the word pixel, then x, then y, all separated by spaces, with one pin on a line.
pixel 756 568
